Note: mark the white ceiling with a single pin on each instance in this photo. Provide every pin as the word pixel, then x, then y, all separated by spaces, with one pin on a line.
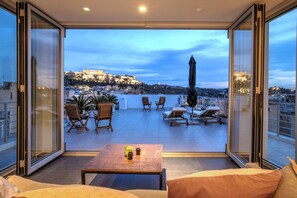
pixel 216 13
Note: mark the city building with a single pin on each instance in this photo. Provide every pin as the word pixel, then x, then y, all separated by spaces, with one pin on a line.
pixel 8 91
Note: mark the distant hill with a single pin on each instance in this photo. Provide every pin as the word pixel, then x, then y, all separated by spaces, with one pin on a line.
pixel 128 84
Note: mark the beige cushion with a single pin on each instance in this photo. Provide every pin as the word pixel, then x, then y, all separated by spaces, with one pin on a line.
pixel 7 189
pixel 231 183
pixel 76 192
pixel 293 164
pixel 252 165
pixel 27 184
pixel 149 193
pixel 288 184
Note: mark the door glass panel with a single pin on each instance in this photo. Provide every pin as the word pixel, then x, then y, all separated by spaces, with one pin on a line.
pixel 242 89
pixel 279 140
pixel 8 89
pixel 45 131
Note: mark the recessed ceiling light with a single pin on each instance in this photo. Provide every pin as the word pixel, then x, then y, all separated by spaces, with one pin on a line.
pixel 142 9
pixel 198 9
pixel 86 9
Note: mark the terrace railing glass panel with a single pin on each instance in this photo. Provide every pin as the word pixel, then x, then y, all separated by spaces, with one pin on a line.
pixel 8 89
pixel 279 140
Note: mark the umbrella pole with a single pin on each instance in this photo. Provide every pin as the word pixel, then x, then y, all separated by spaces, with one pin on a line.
pixel 192 115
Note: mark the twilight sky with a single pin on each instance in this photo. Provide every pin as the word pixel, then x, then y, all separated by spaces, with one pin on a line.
pixel 153 56
pixel 162 56
pixel 282 51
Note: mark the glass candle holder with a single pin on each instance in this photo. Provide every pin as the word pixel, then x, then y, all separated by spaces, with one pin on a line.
pixel 130 155
pixel 138 151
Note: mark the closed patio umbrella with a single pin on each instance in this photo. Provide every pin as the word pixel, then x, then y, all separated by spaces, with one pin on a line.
pixel 192 93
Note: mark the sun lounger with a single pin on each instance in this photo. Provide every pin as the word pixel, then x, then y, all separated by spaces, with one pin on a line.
pixel 177 113
pixel 209 114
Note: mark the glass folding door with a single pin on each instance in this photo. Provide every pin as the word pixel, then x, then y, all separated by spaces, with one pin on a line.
pixel 8 87
pixel 245 85
pixel 42 66
pixel 279 138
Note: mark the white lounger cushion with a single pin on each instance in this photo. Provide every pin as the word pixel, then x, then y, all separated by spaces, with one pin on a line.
pixel 209 108
pixel 167 114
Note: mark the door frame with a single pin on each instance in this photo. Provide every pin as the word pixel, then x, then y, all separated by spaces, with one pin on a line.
pixel 282 9
pixel 24 164
pixel 258 31
pixel 9 8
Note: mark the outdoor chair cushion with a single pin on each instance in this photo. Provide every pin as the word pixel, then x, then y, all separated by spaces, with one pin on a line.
pixel 168 114
pixel 209 108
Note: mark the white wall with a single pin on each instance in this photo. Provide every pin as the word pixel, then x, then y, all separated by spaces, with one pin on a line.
pixel 134 101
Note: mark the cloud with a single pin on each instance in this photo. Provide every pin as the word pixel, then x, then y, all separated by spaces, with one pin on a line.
pixel 148 75
pixel 210 52
pixel 282 78
pixel 127 59
pixel 212 47
pixel 215 84
pixel 141 40
pixel 283 28
pixel 115 69
pixel 154 56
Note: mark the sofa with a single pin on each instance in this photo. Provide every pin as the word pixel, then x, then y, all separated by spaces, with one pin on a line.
pixel 246 182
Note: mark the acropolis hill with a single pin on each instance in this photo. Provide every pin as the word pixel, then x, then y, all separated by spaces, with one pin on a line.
pixel 100 76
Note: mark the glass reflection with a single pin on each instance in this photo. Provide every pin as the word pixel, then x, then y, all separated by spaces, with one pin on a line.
pixel 242 89
pixel 279 137
pixel 45 136
pixel 8 89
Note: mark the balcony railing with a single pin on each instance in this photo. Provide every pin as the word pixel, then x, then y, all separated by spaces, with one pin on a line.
pixel 281 119
pixel 8 121
pixel 134 101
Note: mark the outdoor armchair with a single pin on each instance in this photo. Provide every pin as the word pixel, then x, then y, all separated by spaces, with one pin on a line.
pixel 161 103
pixel 73 115
pixel 104 113
pixel 146 103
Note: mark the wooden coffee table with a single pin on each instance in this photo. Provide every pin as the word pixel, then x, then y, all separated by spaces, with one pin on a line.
pixel 112 160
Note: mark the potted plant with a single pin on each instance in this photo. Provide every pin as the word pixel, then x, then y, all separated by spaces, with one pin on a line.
pixel 83 102
pixel 95 100
pixel 112 99
pixel 105 98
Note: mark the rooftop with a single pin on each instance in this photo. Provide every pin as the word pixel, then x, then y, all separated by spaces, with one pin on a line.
pixel 134 126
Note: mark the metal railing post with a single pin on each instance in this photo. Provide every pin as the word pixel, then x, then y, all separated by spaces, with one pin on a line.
pixel 278 121
pixel 5 122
